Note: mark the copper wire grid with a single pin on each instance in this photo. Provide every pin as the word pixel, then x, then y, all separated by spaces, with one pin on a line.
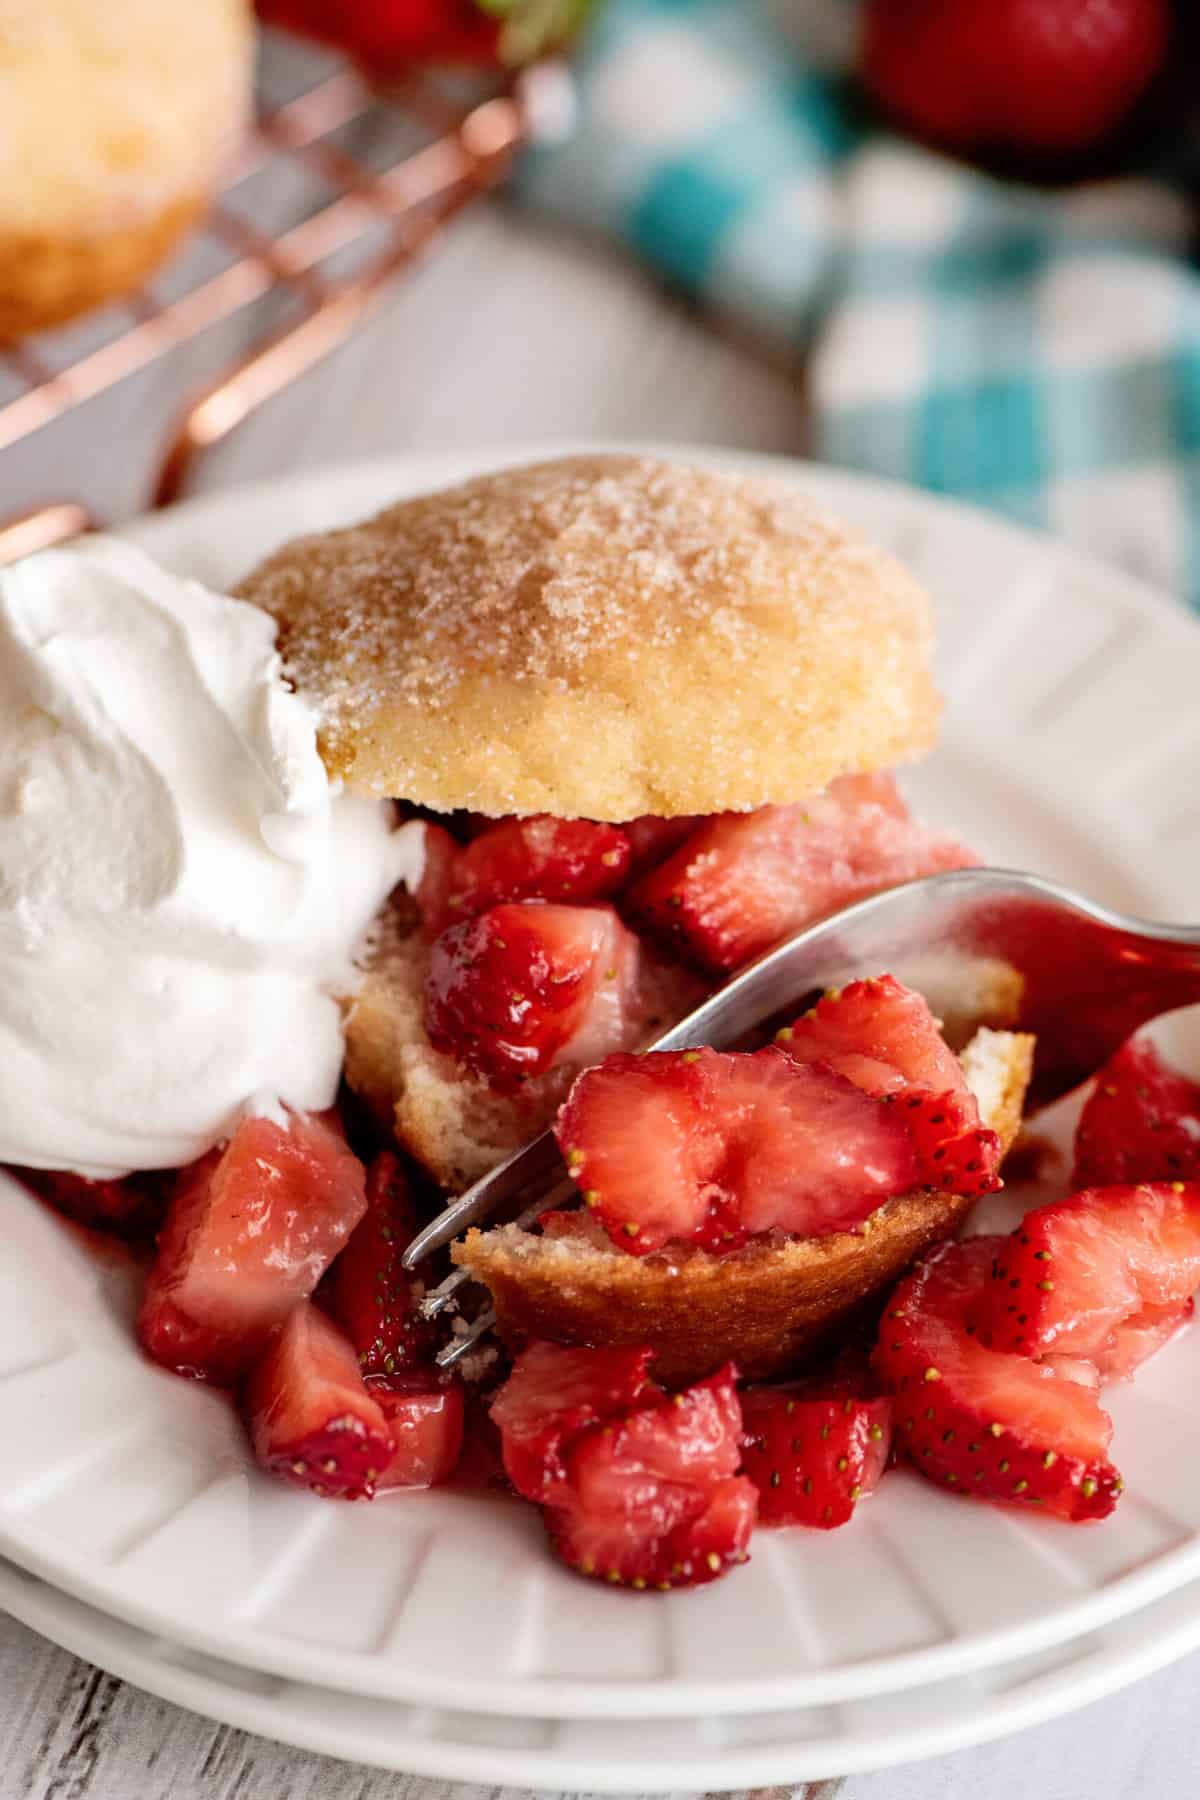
pixel 464 152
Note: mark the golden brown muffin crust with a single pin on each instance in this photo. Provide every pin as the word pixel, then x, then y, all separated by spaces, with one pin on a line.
pixel 116 121
pixel 603 636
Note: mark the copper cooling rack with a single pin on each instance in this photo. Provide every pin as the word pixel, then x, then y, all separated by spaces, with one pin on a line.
pixel 327 268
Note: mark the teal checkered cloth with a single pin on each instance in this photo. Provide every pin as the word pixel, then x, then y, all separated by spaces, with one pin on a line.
pixel 1034 351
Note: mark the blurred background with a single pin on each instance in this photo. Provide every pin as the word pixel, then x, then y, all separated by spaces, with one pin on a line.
pixel 951 242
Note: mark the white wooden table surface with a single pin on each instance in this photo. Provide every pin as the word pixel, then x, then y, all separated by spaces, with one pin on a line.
pixel 509 335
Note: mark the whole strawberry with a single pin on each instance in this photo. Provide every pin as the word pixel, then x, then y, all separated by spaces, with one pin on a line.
pixel 389 35
pixel 1042 78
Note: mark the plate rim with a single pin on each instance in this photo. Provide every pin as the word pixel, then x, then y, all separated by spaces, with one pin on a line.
pixel 360 1671
pixel 1060 1691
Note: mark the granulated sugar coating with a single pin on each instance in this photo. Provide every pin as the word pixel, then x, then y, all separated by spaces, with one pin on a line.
pixel 603 636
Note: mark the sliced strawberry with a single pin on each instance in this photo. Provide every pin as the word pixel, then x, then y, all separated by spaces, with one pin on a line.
pixel 663 1537
pixel 513 991
pixel 1076 1271
pixel 651 1499
pixel 1142 1337
pixel 437 877
pixel 693 1437
pixel 552 1394
pixel 744 881
pixel 814 1450
pixel 250 1230
pixel 982 1421
pixel 705 1146
pixel 880 1034
pixel 954 1151
pixel 651 839
pixel 1141 1122
pixel 130 1208
pixel 310 1416
pixel 424 1414
pixel 537 859
pixel 371 1292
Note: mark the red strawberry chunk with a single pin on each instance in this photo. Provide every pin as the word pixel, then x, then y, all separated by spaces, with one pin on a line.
pixel 551 1396
pixel 880 1034
pixel 537 859
pixel 814 1450
pixel 437 876
pixel 310 1416
pixel 690 1439
pixel 954 1151
pixel 651 1498
pixel 424 1415
pixel 521 987
pixel 371 1293
pixel 130 1208
pixel 982 1421
pixel 744 881
pixel 1076 1272
pixel 651 839
pixel 1141 1337
pixel 249 1232
pixel 660 1537
pixel 1141 1122
pixel 709 1147
pixel 642 1487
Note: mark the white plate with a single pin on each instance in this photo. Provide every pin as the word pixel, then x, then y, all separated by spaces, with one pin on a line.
pixel 626 1755
pixel 1070 746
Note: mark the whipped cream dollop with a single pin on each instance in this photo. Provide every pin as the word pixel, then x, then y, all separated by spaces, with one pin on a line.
pixel 182 889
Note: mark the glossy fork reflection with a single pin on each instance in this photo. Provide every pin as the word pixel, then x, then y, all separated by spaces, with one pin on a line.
pixel 985 946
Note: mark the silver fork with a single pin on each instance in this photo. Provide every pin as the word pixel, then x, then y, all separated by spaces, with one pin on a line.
pixel 985 946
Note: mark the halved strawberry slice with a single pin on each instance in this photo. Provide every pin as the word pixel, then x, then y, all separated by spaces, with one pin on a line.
pixel 1142 1337
pixel 130 1208
pixel 880 1034
pixel 508 993
pixel 551 1396
pixel 982 1421
pixel 651 1499
pixel 1141 1122
pixel 424 1414
pixel 1074 1272
pixel 310 1416
pixel 744 881
pixel 708 1147
pixel 249 1232
pixel 813 1450
pixel 370 1291
pixel 540 858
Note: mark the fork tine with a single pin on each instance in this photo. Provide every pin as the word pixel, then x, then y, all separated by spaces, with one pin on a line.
pixel 440 1297
pixel 479 1328
pixel 528 1169
pixel 458 1346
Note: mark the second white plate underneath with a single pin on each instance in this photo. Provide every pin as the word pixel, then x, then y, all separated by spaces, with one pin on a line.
pixel 614 1756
